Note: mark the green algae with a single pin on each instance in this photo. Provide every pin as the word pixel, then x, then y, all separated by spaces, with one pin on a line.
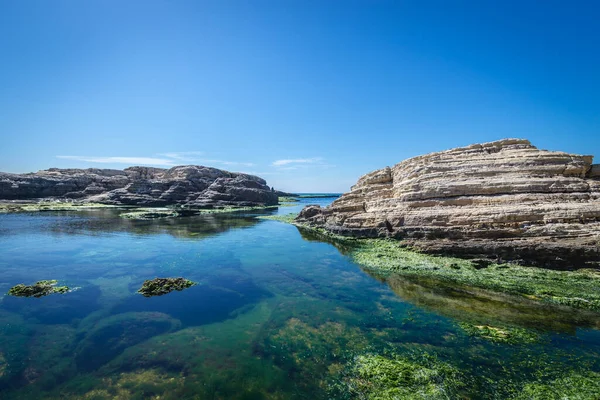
pixel 38 289
pixel 150 213
pixel 503 334
pixel 578 289
pixel 404 378
pixel 572 385
pixel 162 286
pixel 225 210
pixel 15 207
pixel 288 218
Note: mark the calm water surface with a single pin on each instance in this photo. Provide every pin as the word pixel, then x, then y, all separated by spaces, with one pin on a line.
pixel 276 315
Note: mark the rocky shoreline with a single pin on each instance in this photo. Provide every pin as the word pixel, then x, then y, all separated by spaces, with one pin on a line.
pixel 503 200
pixel 184 186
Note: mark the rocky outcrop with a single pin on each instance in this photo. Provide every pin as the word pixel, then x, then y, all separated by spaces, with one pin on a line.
pixel 506 200
pixel 192 186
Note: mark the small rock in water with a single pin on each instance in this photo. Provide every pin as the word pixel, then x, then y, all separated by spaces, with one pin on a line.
pixel 39 289
pixel 160 286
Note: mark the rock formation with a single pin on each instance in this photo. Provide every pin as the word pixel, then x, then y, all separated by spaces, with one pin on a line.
pixel 193 186
pixel 506 200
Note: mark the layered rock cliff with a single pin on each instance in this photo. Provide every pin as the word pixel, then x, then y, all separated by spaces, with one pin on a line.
pixel 192 186
pixel 506 200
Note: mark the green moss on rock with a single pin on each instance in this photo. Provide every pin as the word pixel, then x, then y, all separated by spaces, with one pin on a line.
pixel 161 286
pixel 38 289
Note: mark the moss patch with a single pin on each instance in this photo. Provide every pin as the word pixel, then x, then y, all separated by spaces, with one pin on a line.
pixel 38 289
pixel 161 286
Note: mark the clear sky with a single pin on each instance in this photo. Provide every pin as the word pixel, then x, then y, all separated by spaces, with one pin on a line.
pixel 307 94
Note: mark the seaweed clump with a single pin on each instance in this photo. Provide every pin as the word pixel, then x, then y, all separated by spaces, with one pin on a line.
pixel 572 385
pixel 38 289
pixel 404 377
pixel 507 335
pixel 161 286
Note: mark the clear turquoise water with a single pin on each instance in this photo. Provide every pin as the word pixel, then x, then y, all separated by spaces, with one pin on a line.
pixel 275 315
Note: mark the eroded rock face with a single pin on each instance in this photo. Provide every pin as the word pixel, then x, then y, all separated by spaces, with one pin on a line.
pixel 194 186
pixel 506 200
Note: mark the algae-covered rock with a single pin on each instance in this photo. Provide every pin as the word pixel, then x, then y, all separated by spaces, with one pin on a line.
pixel 38 289
pixel 160 286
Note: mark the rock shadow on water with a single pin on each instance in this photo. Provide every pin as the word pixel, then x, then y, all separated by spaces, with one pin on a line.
pixel 57 309
pixel 212 300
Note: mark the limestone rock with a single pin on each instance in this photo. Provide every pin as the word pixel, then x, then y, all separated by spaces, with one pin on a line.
pixel 194 186
pixel 506 199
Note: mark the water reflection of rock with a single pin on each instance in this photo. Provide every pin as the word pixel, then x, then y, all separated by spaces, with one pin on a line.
pixel 480 306
pixel 104 221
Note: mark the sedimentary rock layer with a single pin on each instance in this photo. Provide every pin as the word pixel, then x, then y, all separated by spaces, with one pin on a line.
pixel 506 200
pixel 193 186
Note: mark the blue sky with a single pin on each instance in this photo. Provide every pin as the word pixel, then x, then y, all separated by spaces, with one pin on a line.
pixel 307 94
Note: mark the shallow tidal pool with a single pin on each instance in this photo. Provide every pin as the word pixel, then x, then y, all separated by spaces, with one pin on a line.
pixel 274 315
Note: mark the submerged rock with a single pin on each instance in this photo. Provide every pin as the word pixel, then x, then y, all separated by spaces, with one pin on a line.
pixel 160 286
pixel 38 289
pixel 505 200
pixel 191 186
pixel 110 336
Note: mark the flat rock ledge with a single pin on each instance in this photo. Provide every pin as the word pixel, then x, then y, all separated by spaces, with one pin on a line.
pixel 188 186
pixel 503 200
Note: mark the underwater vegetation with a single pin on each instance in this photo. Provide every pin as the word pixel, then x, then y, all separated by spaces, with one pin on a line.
pixel 572 386
pixel 161 286
pixel 38 289
pixel 578 289
pixel 505 334
pixel 274 315
pixel 403 377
